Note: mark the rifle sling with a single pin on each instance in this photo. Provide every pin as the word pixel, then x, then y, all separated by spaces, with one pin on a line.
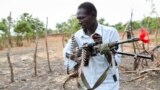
pixel 98 82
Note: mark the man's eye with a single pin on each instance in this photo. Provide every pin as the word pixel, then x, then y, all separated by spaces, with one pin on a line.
pixel 80 17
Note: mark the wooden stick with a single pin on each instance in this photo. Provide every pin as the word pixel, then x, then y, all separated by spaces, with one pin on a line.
pixel 129 71
pixel 8 51
pixel 147 70
pixel 136 78
pixel 47 45
pixel 35 53
pixel 120 66
pixel 142 72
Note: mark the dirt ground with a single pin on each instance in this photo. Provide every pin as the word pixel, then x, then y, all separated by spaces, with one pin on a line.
pixel 22 60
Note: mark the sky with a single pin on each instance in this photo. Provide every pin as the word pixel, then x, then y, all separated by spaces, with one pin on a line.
pixel 58 11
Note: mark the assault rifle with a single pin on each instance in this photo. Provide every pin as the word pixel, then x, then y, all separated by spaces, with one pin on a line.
pixel 94 48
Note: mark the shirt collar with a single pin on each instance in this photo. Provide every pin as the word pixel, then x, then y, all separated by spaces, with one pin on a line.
pixel 98 31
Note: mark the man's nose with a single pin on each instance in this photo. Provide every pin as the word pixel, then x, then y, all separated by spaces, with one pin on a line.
pixel 81 21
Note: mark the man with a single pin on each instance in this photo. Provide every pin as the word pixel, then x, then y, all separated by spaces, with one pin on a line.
pixel 87 16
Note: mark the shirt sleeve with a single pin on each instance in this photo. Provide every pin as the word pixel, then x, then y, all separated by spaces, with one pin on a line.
pixel 115 37
pixel 68 62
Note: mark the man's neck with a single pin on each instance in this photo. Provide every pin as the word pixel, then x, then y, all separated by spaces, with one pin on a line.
pixel 92 29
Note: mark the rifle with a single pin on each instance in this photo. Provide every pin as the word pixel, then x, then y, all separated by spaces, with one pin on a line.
pixel 113 46
pixel 94 48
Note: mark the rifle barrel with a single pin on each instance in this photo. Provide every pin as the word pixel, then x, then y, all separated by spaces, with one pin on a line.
pixel 141 56
pixel 127 41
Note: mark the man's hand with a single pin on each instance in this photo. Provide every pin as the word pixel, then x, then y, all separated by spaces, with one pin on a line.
pixel 97 38
pixel 78 60
pixel 104 48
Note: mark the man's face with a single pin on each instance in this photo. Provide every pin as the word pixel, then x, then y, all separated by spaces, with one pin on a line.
pixel 85 20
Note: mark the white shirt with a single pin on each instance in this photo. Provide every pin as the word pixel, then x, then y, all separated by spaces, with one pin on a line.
pixel 97 64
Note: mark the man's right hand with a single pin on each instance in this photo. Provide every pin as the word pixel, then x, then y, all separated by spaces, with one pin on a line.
pixel 97 38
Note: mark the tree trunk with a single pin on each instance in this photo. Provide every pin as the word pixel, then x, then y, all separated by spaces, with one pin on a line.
pixel 8 51
pixel 47 46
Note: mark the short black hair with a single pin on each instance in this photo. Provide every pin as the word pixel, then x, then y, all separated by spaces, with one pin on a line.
pixel 89 7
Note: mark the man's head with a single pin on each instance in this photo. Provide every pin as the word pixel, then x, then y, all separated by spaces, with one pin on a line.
pixel 86 15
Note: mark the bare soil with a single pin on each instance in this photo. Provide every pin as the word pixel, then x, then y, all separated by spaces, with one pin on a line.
pixel 22 60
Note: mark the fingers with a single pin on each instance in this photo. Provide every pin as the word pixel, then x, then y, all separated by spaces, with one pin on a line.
pixel 97 38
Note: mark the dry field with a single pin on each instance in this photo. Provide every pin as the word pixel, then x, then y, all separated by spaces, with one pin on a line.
pixel 22 59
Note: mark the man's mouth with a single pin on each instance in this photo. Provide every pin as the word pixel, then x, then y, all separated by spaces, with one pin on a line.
pixel 83 25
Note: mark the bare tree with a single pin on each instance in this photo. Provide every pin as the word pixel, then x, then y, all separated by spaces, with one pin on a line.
pixel 9 47
pixel 47 45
